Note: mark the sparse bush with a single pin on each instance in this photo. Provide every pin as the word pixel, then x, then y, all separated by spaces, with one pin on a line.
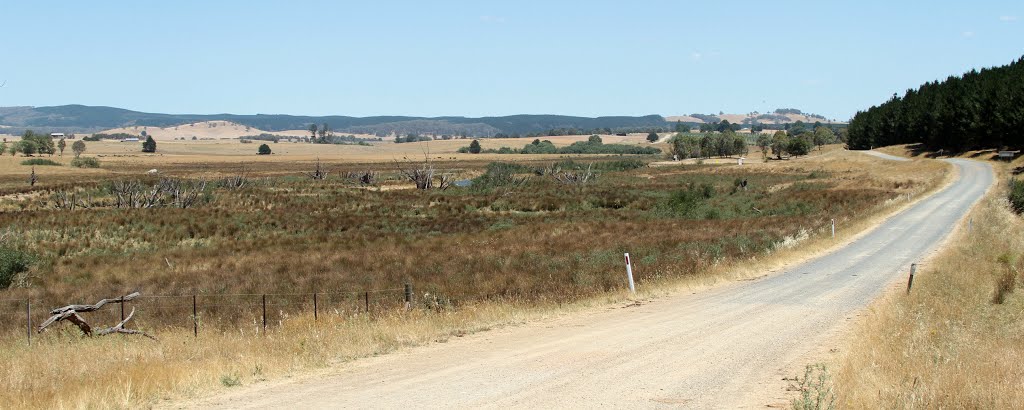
pixel 40 161
pixel 230 380
pixel 12 262
pixel 1016 195
pixel 816 390
pixel 85 162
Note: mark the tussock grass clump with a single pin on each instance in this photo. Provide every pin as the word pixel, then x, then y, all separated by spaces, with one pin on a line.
pixel 956 340
pixel 40 161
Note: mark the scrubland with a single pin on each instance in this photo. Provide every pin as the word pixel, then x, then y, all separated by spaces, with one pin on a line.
pixel 496 253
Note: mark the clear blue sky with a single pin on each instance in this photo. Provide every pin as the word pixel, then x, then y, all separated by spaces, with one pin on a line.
pixel 476 58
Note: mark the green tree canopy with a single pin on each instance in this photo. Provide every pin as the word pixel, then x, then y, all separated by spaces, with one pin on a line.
pixel 780 143
pixel 78 147
pixel 801 144
pixel 149 145
pixel 823 136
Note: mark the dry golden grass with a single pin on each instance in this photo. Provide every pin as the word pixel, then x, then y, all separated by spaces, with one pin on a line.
pixel 947 344
pixel 134 372
pixel 62 370
pixel 114 153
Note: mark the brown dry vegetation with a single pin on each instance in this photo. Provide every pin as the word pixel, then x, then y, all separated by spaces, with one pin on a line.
pixel 478 257
pixel 949 343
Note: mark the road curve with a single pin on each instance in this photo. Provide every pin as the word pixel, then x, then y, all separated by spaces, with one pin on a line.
pixel 724 347
pixel 883 155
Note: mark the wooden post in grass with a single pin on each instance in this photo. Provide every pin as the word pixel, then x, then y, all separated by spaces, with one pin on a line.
pixel 366 298
pixel 28 320
pixel 408 296
pixel 195 318
pixel 629 274
pixel 910 281
pixel 264 313
pixel 314 308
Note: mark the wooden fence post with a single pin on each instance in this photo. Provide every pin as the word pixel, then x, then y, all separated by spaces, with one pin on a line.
pixel 264 313
pixel 910 281
pixel 28 320
pixel 408 296
pixel 314 308
pixel 195 318
pixel 366 297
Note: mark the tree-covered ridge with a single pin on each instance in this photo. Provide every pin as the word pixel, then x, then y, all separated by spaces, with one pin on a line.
pixel 81 118
pixel 980 109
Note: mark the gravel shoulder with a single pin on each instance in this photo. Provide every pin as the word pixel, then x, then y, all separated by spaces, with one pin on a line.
pixel 728 346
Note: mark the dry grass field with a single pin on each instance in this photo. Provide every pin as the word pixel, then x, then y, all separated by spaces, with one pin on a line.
pixel 493 254
pixel 954 341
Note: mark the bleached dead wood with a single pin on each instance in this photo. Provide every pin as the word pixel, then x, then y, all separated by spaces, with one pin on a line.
pixel 71 314
pixel 119 328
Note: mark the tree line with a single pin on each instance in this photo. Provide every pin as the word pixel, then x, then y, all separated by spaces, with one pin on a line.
pixel 980 109
pixel 593 145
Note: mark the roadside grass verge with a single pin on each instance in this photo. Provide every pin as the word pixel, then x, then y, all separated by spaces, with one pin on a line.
pixel 956 340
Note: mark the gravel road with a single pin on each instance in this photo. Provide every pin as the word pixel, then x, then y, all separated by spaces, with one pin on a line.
pixel 885 156
pixel 726 347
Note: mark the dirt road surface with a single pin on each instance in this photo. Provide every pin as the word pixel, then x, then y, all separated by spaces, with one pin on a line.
pixel 726 347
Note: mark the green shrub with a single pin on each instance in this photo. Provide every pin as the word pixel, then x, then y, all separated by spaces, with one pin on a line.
pixel 85 162
pixel 12 262
pixel 620 165
pixel 1016 195
pixel 39 161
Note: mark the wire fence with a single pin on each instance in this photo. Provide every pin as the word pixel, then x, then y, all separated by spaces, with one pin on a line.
pixel 199 311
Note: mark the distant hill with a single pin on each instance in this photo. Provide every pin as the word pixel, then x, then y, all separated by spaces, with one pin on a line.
pixel 779 116
pixel 89 119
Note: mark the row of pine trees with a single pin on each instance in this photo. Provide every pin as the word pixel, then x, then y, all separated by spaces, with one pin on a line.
pixel 981 109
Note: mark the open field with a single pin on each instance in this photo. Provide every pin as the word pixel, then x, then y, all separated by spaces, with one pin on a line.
pixel 955 340
pixel 475 251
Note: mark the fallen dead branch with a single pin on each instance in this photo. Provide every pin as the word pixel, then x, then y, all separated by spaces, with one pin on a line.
pixel 71 314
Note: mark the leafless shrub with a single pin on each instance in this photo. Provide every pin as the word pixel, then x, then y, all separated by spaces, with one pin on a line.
pixel 65 200
pixel 423 174
pixel 234 182
pixel 574 177
pixel 367 177
pixel 168 192
pixel 319 173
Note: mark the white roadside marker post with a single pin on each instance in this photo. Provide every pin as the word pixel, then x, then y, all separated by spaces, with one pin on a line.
pixel 629 273
pixel 833 228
